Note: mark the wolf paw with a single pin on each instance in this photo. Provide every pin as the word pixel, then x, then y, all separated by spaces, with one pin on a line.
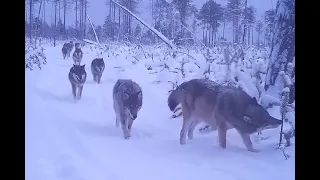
pixel 182 142
pixel 254 150
pixel 126 137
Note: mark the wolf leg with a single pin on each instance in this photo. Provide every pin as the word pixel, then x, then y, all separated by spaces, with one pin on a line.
pixel 99 78
pixel 124 125
pixel 247 142
pixel 80 92
pixel 94 78
pixel 115 108
pixel 191 128
pixel 222 133
pixel 129 126
pixel 74 90
pixel 117 121
pixel 186 123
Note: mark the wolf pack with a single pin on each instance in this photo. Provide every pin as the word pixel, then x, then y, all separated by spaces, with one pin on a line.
pixel 222 107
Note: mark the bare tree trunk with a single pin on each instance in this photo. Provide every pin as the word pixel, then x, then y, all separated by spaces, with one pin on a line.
pixel 80 18
pixel 114 20
pixel 252 35
pixel 76 14
pixel 59 10
pixel 55 24
pixel 44 11
pixel 37 29
pixel 206 35
pixel 64 16
pixel 245 23
pixel 43 17
pixel 209 38
pixel 203 33
pixel 249 35
pixel 130 18
pixel 85 19
pixel 119 24
pixel 110 3
pixel 30 20
pixel 26 15
pixel 233 32
pixel 152 13
pixel 224 26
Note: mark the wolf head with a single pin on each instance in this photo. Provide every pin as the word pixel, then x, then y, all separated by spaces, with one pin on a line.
pixel 71 44
pixel 172 100
pixel 77 45
pixel 99 64
pixel 257 116
pixel 132 103
pixel 79 72
pixel 77 53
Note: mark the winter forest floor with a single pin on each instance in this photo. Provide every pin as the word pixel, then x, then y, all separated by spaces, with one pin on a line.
pixel 79 141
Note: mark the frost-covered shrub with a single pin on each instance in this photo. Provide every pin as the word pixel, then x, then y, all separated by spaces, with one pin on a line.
pixel 287 111
pixel 34 57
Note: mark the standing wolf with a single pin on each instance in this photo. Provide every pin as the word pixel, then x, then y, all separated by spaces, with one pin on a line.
pixel 77 54
pixel 127 102
pixel 66 49
pixel 221 107
pixel 97 68
pixel 77 78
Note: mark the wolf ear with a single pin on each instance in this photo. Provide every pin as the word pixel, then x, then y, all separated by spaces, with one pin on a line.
pixel 139 93
pixel 83 65
pixel 247 119
pixel 254 100
pixel 126 95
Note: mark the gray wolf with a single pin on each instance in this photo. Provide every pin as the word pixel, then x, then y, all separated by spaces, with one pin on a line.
pixel 66 49
pixel 77 78
pixel 77 55
pixel 127 102
pixel 221 107
pixel 97 68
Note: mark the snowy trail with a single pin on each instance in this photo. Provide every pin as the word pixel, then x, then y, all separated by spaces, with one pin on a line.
pixel 79 141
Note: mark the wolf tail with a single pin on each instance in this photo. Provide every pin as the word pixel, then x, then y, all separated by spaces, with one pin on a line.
pixel 174 98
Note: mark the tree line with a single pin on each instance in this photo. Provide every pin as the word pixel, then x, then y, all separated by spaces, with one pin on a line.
pixel 178 20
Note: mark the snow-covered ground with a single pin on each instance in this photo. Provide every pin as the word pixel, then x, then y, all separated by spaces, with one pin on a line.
pixel 79 141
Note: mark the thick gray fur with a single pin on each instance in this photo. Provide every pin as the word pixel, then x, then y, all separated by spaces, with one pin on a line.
pixel 66 49
pixel 97 68
pixel 77 78
pixel 127 102
pixel 221 107
pixel 77 56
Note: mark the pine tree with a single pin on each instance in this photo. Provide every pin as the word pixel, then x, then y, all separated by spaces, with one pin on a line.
pixel 282 49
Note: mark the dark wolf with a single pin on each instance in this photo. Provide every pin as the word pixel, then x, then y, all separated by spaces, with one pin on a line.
pixel 127 102
pixel 221 107
pixel 97 68
pixel 77 78
pixel 77 54
pixel 66 49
